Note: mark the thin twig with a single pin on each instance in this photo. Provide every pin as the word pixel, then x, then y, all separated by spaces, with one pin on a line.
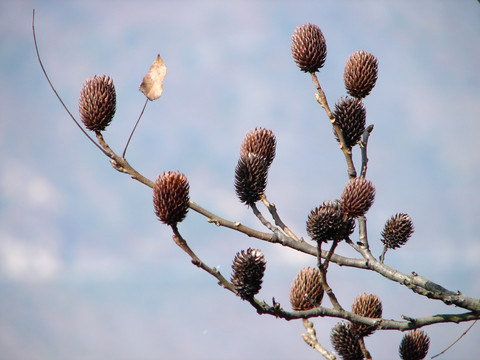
pixel 451 345
pixel 363 147
pixel 131 134
pixel 347 152
pixel 262 219
pixel 55 91
pixel 273 211
pixel 180 241
pixel 311 339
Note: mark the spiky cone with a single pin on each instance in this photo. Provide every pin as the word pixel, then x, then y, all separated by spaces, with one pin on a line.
pixel 248 269
pixel 345 342
pixel 306 291
pixel 398 229
pixel 171 197
pixel 357 197
pixel 367 306
pixel 260 142
pixel 350 115
pixel 360 74
pixel 251 178
pixel 97 103
pixel 414 345
pixel 328 222
pixel 309 49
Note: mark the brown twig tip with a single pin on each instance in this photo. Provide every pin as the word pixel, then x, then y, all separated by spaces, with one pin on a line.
pixel 367 306
pixel 260 142
pixel 345 342
pixel 251 177
pixel 414 345
pixel 398 229
pixel 328 222
pixel 350 115
pixel 309 49
pixel 97 102
pixel 306 291
pixel 248 269
pixel 360 74
pixel 357 197
pixel 171 197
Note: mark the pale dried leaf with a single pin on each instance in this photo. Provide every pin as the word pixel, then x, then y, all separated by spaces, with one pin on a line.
pixel 152 84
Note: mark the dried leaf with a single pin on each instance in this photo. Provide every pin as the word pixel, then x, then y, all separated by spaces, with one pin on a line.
pixel 152 84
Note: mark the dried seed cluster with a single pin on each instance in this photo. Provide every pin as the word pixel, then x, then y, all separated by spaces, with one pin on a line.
pixel 256 155
pixel 171 198
pixel 398 229
pixel 345 343
pixel 367 306
pixel 350 115
pixel 306 291
pixel 328 222
pixel 97 103
pixel 248 269
pixel 357 197
pixel 414 345
pixel 360 73
pixel 309 49
pixel 260 142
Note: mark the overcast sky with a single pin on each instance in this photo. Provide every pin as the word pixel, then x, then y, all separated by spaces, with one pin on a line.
pixel 88 272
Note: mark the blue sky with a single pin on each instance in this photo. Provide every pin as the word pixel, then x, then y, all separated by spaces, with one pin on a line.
pixel 86 270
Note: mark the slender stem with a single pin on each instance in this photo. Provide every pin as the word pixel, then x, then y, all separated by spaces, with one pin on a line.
pixel 273 211
pixel 311 339
pixel 262 219
pixel 55 91
pixel 131 134
pixel 365 352
pixel 347 152
pixel 363 147
pixel 323 276
pixel 180 241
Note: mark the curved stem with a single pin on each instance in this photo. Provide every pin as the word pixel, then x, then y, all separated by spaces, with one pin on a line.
pixel 55 91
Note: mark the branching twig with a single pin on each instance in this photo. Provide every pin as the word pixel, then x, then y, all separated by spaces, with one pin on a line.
pixel 363 147
pixel 273 211
pixel 136 124
pixel 322 100
pixel 311 339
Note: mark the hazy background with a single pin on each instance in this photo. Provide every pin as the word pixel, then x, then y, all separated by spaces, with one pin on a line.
pixel 86 270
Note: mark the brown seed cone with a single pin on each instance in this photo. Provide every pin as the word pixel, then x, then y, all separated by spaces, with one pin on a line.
pixel 306 291
pixel 414 345
pixel 350 115
pixel 345 342
pixel 360 74
pixel 328 222
pixel 260 142
pixel 250 178
pixel 248 269
pixel 170 197
pixel 357 197
pixel 398 229
pixel 367 306
pixel 309 49
pixel 97 103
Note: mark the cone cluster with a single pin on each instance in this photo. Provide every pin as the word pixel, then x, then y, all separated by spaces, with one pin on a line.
pixel 350 115
pixel 345 342
pixel 360 74
pixel 367 306
pixel 248 269
pixel 414 345
pixel 328 222
pixel 309 49
pixel 397 230
pixel 256 155
pixel 171 197
pixel 357 197
pixel 306 291
pixel 97 103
